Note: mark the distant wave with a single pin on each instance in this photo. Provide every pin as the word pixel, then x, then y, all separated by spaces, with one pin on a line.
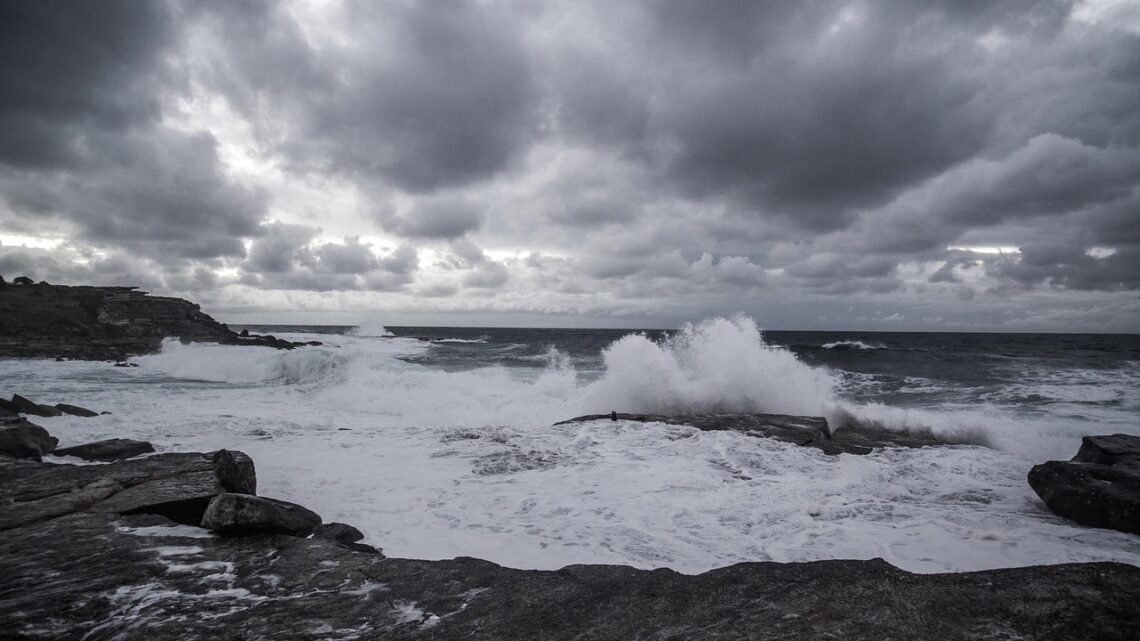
pixel 459 340
pixel 369 330
pixel 853 345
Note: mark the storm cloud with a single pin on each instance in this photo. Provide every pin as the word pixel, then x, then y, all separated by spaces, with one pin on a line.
pixel 842 164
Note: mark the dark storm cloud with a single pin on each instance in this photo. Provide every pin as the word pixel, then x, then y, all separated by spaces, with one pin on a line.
pixel 429 94
pixel 285 256
pixel 81 98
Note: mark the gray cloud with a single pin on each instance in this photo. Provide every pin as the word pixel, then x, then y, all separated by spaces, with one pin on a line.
pixel 655 158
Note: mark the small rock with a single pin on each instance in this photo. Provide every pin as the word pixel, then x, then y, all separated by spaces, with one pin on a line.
pixel 113 449
pixel 9 406
pixel 244 333
pixel 21 439
pixel 126 364
pixel 246 514
pixel 75 410
pixel 345 536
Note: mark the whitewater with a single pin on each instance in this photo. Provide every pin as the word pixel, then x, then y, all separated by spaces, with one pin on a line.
pixel 434 459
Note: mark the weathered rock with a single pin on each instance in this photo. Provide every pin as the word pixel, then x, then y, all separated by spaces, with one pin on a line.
pixel 75 410
pixel 1109 449
pixel 346 536
pixel 24 440
pixel 178 486
pixel 26 406
pixel 247 514
pixel 8 407
pixel 1099 487
pixel 98 576
pixel 112 449
pixel 101 323
pixel 810 431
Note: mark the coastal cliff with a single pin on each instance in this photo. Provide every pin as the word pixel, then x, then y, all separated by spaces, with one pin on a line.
pixel 103 323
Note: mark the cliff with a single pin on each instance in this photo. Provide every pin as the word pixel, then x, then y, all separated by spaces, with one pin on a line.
pixel 103 323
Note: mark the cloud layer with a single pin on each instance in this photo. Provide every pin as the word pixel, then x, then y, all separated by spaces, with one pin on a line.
pixel 903 165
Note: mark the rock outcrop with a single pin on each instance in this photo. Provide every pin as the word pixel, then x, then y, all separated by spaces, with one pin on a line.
pixel 247 514
pixel 112 449
pixel 104 323
pixel 801 430
pixel 1099 487
pixel 108 568
pixel 23 440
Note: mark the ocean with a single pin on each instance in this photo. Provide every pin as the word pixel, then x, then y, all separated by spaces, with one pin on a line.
pixel 440 442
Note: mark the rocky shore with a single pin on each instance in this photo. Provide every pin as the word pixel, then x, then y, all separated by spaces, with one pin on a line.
pixel 40 320
pixel 180 546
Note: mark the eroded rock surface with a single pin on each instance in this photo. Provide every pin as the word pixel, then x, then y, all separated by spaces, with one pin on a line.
pixel 809 431
pixel 1099 487
pixel 23 440
pixel 143 577
pixel 247 514
pixel 112 449
pixel 104 323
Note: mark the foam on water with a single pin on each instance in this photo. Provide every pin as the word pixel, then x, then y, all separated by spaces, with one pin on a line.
pixel 719 365
pixel 436 464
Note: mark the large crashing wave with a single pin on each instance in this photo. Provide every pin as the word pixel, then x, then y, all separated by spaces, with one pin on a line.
pixel 242 364
pixel 717 365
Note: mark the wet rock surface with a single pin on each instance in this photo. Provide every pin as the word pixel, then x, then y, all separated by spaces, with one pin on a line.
pixel 23 440
pixel 107 568
pixel 1099 487
pixel 239 514
pixel 807 431
pixel 112 449
pixel 104 323
pixel 142 577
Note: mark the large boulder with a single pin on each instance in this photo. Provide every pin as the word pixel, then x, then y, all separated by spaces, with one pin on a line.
pixel 246 514
pixel 27 406
pixel 1099 487
pixel 177 486
pixel 24 440
pixel 112 449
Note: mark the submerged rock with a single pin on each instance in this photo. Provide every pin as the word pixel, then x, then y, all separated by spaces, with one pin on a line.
pixel 247 514
pixel 112 449
pixel 1099 487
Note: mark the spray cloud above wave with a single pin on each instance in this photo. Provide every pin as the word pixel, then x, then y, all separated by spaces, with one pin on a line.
pixel 717 365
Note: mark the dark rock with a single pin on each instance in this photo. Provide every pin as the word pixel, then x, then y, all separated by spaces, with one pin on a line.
pixel 113 449
pixel 340 532
pixel 75 410
pixel 346 536
pixel 247 514
pixel 23 280
pixel 26 406
pixel 24 440
pixel 808 431
pixel 9 407
pixel 126 364
pixel 1109 449
pixel 244 333
pixel 1099 487
pixel 97 576
pixel 178 486
pixel 102 323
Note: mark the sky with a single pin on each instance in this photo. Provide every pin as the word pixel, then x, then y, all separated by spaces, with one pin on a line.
pixel 953 165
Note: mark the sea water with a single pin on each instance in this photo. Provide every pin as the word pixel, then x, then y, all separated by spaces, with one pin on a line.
pixel 441 442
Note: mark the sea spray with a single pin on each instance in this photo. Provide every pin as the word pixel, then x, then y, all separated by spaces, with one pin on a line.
pixel 717 365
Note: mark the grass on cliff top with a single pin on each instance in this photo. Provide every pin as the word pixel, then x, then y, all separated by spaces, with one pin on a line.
pixel 38 310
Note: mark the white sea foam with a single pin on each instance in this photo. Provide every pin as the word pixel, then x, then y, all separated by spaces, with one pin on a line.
pixel 853 345
pixel 435 464
pixel 719 365
pixel 370 330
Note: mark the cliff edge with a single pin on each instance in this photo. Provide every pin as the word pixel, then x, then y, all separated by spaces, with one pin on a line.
pixel 39 320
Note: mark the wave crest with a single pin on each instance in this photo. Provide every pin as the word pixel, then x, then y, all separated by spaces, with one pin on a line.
pixel 717 365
